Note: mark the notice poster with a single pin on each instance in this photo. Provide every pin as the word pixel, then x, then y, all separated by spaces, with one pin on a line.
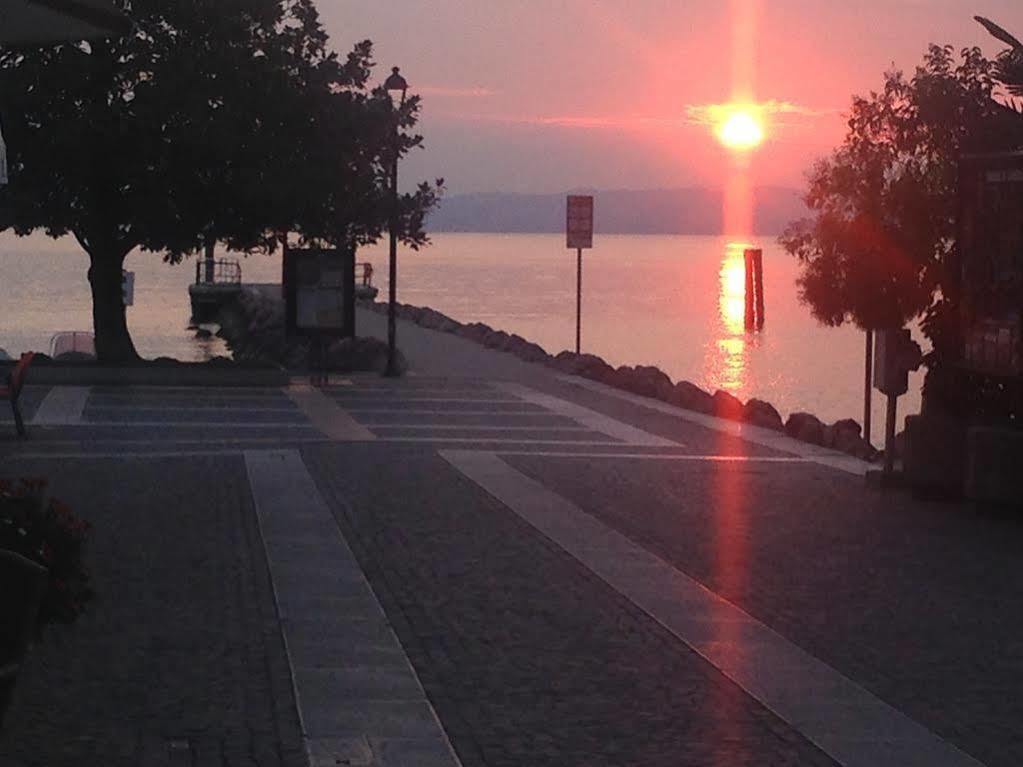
pixel 319 291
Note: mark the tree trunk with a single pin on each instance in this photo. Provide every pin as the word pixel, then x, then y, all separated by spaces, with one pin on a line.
pixel 113 342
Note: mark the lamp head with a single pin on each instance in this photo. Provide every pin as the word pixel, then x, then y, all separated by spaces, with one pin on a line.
pixel 396 86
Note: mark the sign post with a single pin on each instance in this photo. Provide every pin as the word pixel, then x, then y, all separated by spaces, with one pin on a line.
pixel 895 355
pixel 579 235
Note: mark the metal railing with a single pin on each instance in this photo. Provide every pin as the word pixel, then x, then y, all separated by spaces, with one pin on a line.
pixel 220 272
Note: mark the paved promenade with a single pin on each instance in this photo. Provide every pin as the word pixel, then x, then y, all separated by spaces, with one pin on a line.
pixel 487 563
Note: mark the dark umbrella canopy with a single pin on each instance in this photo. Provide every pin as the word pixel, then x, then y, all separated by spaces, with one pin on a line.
pixel 38 22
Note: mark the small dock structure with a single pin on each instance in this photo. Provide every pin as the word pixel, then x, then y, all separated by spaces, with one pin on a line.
pixel 217 282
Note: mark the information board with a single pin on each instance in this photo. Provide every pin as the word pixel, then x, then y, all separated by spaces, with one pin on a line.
pixel 991 260
pixel 319 292
pixel 579 221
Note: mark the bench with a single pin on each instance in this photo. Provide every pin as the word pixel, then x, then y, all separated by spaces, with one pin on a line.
pixel 12 391
pixel 24 584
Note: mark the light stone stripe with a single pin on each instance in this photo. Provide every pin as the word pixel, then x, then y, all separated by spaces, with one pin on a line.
pixel 664 456
pixel 327 415
pixel 590 418
pixel 854 727
pixel 202 424
pixel 178 407
pixel 755 434
pixel 401 397
pixel 359 698
pixel 410 411
pixel 62 405
pixel 471 427
pixel 501 440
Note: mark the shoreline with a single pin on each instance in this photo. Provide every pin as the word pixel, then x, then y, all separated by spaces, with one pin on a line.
pixel 844 435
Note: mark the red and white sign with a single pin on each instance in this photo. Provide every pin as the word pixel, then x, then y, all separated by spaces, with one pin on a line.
pixel 579 221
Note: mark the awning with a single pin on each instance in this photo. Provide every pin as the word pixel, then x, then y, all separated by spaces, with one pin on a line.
pixel 39 22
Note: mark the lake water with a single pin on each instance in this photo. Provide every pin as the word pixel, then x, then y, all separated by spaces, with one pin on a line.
pixel 671 301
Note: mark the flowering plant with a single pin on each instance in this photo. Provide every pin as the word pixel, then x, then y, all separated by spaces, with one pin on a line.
pixel 46 531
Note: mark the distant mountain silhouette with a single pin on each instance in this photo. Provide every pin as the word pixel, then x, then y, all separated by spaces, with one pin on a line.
pixel 694 210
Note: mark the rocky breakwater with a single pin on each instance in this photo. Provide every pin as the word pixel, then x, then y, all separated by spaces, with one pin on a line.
pixel 648 381
pixel 253 327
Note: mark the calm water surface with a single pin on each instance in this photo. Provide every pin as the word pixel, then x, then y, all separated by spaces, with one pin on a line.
pixel 671 301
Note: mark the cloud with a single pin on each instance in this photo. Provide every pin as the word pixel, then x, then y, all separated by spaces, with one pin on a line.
pixel 715 114
pixel 582 122
pixel 775 112
pixel 450 92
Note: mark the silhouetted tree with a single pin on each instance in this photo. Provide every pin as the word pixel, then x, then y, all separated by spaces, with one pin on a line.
pixel 215 120
pixel 878 247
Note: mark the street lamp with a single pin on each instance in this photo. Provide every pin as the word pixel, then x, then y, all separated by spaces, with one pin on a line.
pixel 396 88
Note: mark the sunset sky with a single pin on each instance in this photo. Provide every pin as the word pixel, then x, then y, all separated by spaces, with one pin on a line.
pixel 548 95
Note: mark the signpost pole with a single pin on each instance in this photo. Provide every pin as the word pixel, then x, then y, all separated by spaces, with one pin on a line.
pixel 868 378
pixel 579 235
pixel 889 436
pixel 578 297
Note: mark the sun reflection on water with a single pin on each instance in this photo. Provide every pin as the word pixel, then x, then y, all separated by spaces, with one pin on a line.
pixel 732 311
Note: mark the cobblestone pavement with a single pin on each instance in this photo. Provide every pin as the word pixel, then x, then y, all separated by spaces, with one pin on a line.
pixel 919 603
pixel 179 660
pixel 528 658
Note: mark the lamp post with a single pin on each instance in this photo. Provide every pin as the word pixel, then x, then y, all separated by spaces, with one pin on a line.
pixel 396 87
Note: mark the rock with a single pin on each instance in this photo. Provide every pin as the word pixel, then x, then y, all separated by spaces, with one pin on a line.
pixel 691 397
pixel 845 436
pixel 645 380
pixel 474 331
pixel 203 333
pixel 496 339
pixel 806 427
pixel 530 352
pixel 586 365
pixel 848 425
pixel 727 406
pixel 760 413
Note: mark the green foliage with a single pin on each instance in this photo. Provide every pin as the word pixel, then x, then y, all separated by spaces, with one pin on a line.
pixel 215 120
pixel 879 249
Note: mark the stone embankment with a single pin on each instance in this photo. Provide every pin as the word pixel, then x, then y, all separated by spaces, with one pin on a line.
pixel 253 327
pixel 648 381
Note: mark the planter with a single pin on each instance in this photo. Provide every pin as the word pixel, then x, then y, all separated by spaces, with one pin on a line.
pixel 24 585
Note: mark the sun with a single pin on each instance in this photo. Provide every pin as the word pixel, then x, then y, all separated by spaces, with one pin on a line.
pixel 741 129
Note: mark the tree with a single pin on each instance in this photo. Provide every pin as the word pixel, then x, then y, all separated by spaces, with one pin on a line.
pixel 215 120
pixel 879 249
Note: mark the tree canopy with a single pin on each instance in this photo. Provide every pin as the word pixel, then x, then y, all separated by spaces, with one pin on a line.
pixel 214 120
pixel 878 248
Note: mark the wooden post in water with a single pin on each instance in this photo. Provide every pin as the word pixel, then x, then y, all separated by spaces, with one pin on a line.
pixel 758 281
pixel 750 314
pixel 754 315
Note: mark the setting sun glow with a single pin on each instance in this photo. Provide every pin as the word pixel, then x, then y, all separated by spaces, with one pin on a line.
pixel 741 130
